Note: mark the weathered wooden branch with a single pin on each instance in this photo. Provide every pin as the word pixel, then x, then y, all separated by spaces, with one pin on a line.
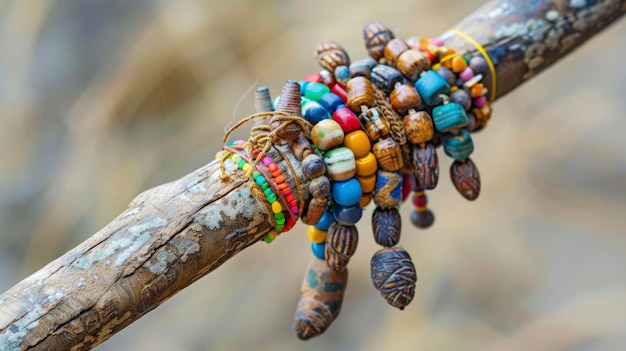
pixel 176 233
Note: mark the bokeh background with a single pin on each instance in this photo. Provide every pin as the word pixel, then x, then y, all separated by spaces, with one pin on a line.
pixel 100 100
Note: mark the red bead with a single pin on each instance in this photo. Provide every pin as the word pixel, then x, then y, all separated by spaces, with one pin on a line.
pixel 420 201
pixel 286 191
pixel 346 119
pixel 293 203
pixel 340 91
pixel 289 223
pixel 313 77
pixel 289 198
pixel 272 167
pixel 276 173
pixel 430 56
pixel 406 186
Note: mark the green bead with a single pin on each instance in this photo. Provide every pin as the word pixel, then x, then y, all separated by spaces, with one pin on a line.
pixel 279 216
pixel 280 221
pixel 256 174
pixel 271 197
pixel 267 239
pixel 449 117
pixel 265 185
pixel 314 91
pixel 458 146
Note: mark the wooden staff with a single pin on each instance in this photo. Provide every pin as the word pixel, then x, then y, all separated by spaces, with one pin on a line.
pixel 176 233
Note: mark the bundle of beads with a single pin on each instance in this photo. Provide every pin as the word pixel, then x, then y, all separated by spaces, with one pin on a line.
pixel 375 126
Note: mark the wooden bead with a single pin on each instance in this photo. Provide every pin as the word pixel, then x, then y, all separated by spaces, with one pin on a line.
pixel 320 187
pixel 393 49
pixel 347 192
pixel 327 134
pixel 289 102
pixel 360 93
pixel 376 36
pixel 375 123
pixel 314 211
pixel 340 164
pixel 368 183
pixel 388 154
pixel 388 191
pixel 366 165
pixel 449 117
pixel 393 274
pixel 403 98
pixel 431 86
pixel 418 127
pixel 385 78
pixel 465 178
pixel 300 147
pixel 386 225
pixel 262 100
pixel 483 114
pixel 358 142
pixel 313 166
pixel 462 98
pixel 458 146
pixel 412 63
pixel 330 55
pixel 362 68
pixel 322 296
pixel 341 243
pixel 427 163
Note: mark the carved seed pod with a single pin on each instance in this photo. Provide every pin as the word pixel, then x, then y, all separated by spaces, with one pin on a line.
pixel 289 102
pixel 322 297
pixel 418 127
pixel 427 164
pixel 320 187
pixel 376 36
pixel 412 63
pixel 330 55
pixel 393 50
pixel 465 178
pixel 403 98
pixel 387 225
pixel 341 243
pixel 393 274
pixel 314 211
pixel 301 147
pixel 375 123
pixel 360 93
pixel 388 154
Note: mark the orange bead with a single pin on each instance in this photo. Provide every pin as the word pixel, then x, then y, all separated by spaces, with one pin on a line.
pixel 368 183
pixel 366 165
pixel 366 199
pixel 458 64
pixel 358 142
pixel 280 179
pixel 477 90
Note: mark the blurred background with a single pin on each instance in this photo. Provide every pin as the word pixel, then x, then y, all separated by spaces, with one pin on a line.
pixel 100 100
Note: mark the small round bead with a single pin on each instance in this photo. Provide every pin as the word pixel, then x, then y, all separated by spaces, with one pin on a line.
pixel 358 142
pixel 330 102
pixel 318 250
pixel 422 219
pixel 346 119
pixel 366 199
pixel 316 235
pixel 315 91
pixel 458 146
pixel 403 98
pixel 449 117
pixel 437 42
pixel 431 86
pixel 347 192
pixel 418 127
pixel 458 64
pixel 477 90
pixel 325 221
pixel 366 165
pixel 462 98
pixel 368 183
pixel 342 74
pixel 340 164
pixel 327 134
pixel 320 187
pixel 480 101
pixel 420 201
pixel 467 74
pixel 447 75
pixel 347 215
pixel 313 166
pixel 479 65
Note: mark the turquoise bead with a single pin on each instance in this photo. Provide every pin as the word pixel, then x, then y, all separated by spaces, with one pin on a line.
pixel 449 117
pixel 259 180
pixel 315 91
pixel 313 112
pixel 318 250
pixel 347 215
pixel 325 221
pixel 347 192
pixel 303 84
pixel 458 146
pixel 430 86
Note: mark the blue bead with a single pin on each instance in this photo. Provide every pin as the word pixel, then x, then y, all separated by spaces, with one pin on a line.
pixel 430 86
pixel 342 74
pixel 449 117
pixel 325 221
pixel 318 250
pixel 313 112
pixel 303 85
pixel 347 192
pixel 331 102
pixel 458 146
pixel 388 190
pixel 347 215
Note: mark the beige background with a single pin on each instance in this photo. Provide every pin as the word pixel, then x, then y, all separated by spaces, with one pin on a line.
pixel 100 100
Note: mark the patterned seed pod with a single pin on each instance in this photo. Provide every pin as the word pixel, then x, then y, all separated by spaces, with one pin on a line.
pixel 412 63
pixel 403 98
pixel 320 187
pixel 387 226
pixel 330 55
pixel 360 93
pixel 388 154
pixel 375 123
pixel 427 164
pixel 376 36
pixel 314 211
pixel 341 243
pixel 313 166
pixel 465 178
pixel 322 297
pixel 393 274
pixel 289 102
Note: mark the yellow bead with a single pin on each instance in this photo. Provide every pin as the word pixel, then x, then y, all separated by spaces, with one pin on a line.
pixel 316 235
pixel 358 142
pixel 366 199
pixel 368 183
pixel 436 66
pixel 458 64
pixel 453 89
pixel 246 167
pixel 276 207
pixel 366 165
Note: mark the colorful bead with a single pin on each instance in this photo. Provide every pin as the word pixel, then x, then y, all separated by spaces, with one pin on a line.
pixel 449 117
pixel 387 226
pixel 479 65
pixel 385 78
pixel 360 93
pixel 340 164
pixel 347 215
pixel 427 163
pixel 340 91
pixel 470 83
pixel 375 124
pixel 458 146
pixel 480 101
pixel 448 75
pixel 458 64
pixel 412 63
pixel 418 127
pixel 477 90
pixel 388 191
pixel 368 183
pixel 462 98
pixel 388 154
pixel 315 91
pixel 346 119
pixel 325 221
pixel 366 199
pixel 327 134
pixel 330 102
pixel 318 250
pixel 314 112
pixel 361 68
pixel 366 165
pixel 467 74
pixel 313 166
pixel 342 74
pixel 347 192
pixel 301 147
pixel 330 55
pixel 358 142
pixel 403 98
pixel 431 86
pixel 376 36
pixel 393 274
pixel 393 49
pixel 465 178
pixel 313 77
pixel 316 236
pixel 341 243
pixel 422 219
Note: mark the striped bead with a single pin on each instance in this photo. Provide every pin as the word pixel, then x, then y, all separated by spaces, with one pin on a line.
pixel 458 146
pixel 449 117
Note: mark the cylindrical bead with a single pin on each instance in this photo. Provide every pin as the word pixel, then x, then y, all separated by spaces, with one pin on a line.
pixel 388 154
pixel 388 191
pixel 385 77
pixel 368 183
pixel 340 164
pixel 346 119
pixel 341 243
pixel 387 226
pixel 412 63
pixel 327 134
pixel 449 117
pixel 418 127
pixel 320 187
pixel 403 98
pixel 458 146
pixel 315 91
pixel 366 199
pixel 313 166
pixel 431 86
pixel 358 142
pixel 360 93
pixel 331 102
pixel 366 165
pixel 314 112
pixel 314 211
pixel 427 164
pixel 374 123
pixel 393 50
pixel 301 147
pixel 316 235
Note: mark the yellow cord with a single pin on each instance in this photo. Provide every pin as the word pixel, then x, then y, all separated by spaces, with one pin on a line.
pixel 482 50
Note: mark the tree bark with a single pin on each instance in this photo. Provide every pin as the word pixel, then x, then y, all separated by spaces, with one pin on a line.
pixel 176 233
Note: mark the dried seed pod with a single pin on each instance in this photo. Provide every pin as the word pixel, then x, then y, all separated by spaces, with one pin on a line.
pixel 330 55
pixel 360 93
pixel 412 63
pixel 375 123
pixel 387 226
pixel 320 187
pixel 314 211
pixel 403 98
pixel 393 50
pixel 376 36
pixel 418 127
pixel 465 178
pixel 322 296
pixel 313 166
pixel 427 164
pixel 301 147
pixel 289 102
pixel 388 154
pixel 341 243
pixel 393 274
